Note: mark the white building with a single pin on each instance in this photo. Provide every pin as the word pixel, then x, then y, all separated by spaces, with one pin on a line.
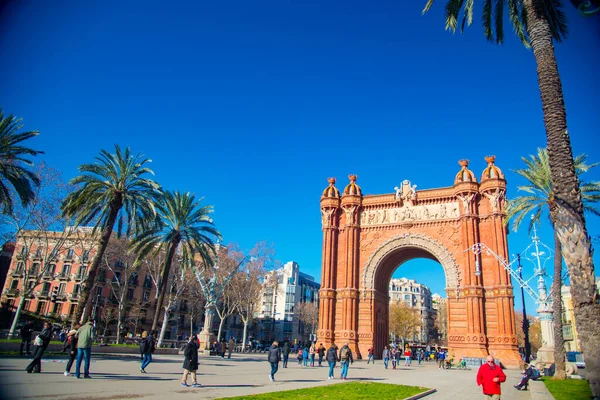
pixel 417 296
pixel 277 320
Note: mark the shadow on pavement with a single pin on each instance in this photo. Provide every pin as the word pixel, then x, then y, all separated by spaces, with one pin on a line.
pixel 229 386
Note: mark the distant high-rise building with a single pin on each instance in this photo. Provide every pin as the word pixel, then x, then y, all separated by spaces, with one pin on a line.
pixel 277 317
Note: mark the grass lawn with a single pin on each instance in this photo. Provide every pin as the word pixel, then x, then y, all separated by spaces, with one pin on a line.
pixel 345 391
pixel 568 389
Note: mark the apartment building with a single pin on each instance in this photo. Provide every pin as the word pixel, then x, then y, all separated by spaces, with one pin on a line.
pixel 417 296
pixel 277 319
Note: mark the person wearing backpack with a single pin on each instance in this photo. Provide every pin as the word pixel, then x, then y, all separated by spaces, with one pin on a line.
pixel 146 348
pixel 345 360
pixel 321 352
pixel 528 373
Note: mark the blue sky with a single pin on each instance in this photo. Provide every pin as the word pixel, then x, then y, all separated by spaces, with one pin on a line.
pixel 252 105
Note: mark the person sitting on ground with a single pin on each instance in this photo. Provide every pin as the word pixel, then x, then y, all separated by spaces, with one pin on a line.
pixel 527 375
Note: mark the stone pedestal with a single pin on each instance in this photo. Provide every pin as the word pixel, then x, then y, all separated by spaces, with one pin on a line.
pixel 546 353
pixel 206 337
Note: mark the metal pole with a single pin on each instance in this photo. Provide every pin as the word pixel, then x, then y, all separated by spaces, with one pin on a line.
pixel 525 320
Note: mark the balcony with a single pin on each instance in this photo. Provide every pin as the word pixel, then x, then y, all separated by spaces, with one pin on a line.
pixel 20 256
pixel 11 293
pixel 68 257
pixel 74 296
pixel 567 332
pixel 63 277
pixel 48 276
pixel 16 273
pixel 61 297
pixel 42 294
pixel 78 277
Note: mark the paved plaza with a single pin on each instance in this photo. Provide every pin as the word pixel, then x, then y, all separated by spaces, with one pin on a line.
pixel 119 378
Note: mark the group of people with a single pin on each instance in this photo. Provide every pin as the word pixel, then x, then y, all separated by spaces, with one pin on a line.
pixel 331 355
pixel 224 347
pixel 394 355
pixel 79 345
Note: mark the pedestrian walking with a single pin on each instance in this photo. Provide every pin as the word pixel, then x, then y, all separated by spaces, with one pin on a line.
pixel 393 357
pixel 331 358
pixel 26 332
pixel 223 348
pixel 285 352
pixel 72 342
pixel 441 357
pixel 146 345
pixel 190 361
pixel 85 338
pixel 489 378
pixel 371 355
pixel 274 359
pixel 230 347
pixel 305 357
pixel 41 343
pixel 386 356
pixel 299 356
pixel 407 357
pixel 419 356
pixel 321 352
pixel 345 360
pixel 312 351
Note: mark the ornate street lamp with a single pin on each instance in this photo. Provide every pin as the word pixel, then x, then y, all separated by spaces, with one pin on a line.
pixel 546 353
pixel 525 320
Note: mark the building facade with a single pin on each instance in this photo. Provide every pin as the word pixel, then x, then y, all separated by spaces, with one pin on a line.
pixel 418 297
pixel 46 274
pixel 277 317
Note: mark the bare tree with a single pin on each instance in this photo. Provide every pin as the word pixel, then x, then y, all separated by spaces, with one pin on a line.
pixel 195 302
pixel 308 315
pixel 107 318
pixel 119 260
pixel 249 283
pixel 229 263
pixel 135 314
pixel 42 237
pixel 179 278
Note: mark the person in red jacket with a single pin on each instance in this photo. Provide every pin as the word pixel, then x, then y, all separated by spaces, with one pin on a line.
pixel 489 377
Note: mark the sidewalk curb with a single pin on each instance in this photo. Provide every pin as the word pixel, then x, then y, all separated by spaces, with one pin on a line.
pixel 421 395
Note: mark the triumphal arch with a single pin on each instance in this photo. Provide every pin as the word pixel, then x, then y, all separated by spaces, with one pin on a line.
pixel 366 237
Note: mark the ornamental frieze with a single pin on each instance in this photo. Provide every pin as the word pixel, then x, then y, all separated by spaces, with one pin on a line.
pixel 399 215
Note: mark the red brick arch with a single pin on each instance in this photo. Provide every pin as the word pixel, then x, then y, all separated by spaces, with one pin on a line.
pixel 365 238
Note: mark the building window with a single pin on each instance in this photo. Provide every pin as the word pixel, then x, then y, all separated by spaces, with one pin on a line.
pixel 146 296
pixel 35 269
pixel 61 288
pixel 56 308
pixel 69 255
pixel 99 291
pixel 66 270
pixel 51 269
pixel 82 272
pixel 148 281
pixel 14 284
pixel 20 267
pixel 45 288
pixel 76 290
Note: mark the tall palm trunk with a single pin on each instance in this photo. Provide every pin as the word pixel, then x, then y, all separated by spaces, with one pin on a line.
pixel 164 277
pixel 570 222
pixel 559 342
pixel 107 231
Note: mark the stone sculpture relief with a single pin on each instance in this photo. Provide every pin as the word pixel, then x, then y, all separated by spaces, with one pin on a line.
pixel 406 194
pixel 496 198
pixel 399 215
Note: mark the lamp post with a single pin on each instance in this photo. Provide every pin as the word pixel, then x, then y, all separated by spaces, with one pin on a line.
pixel 95 307
pixel 525 320
pixel 212 291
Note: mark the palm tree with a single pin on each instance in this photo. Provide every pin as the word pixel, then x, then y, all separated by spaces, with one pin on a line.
pixel 540 195
pixel 183 227
pixel 112 190
pixel 12 162
pixel 538 23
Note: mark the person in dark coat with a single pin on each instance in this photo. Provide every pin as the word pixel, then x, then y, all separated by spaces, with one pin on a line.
pixel 331 358
pixel 190 362
pixel 527 375
pixel 146 348
pixel 72 343
pixel 274 359
pixel 40 348
pixel 223 347
pixel 285 351
pixel 26 332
